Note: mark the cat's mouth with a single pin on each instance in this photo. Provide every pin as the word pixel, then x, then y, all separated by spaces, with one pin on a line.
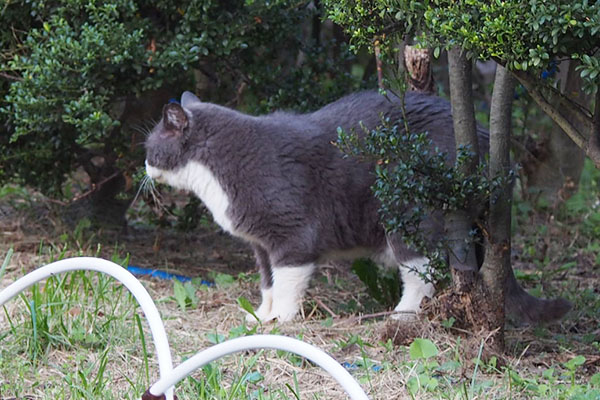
pixel 154 173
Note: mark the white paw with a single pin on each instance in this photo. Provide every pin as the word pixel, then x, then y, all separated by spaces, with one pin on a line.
pixel 262 313
pixel 284 311
pixel 280 311
pixel 410 304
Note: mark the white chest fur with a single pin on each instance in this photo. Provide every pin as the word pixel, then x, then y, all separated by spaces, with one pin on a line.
pixel 200 180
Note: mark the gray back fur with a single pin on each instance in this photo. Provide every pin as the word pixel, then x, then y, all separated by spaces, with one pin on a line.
pixel 290 188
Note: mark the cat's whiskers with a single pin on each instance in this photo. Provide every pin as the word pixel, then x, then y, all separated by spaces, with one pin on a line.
pixel 140 189
pixel 145 128
pixel 148 189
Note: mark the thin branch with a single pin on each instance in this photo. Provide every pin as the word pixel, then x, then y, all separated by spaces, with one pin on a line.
pixel 379 64
pixel 95 187
pixel 325 307
pixel 596 117
pixel 594 152
pixel 359 318
pixel 539 98
pixel 571 107
pixel 10 77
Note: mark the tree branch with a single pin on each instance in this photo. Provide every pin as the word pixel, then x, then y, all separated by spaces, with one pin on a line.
pixel 379 65
pixel 10 77
pixel 590 145
pixel 594 150
pixel 571 107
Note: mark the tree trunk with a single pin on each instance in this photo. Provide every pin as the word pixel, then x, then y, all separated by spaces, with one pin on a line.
pixel 496 266
pixel 418 65
pixel 459 223
pixel 468 299
pixel 554 169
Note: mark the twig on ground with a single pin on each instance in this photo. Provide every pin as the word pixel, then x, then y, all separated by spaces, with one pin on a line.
pixel 324 307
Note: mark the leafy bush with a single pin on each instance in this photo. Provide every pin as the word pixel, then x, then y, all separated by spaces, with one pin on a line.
pixel 83 76
pixel 522 35
pixel 415 184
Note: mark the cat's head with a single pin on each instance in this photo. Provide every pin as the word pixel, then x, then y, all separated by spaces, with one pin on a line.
pixel 167 143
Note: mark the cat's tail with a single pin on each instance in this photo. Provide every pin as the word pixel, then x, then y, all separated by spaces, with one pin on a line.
pixel 529 309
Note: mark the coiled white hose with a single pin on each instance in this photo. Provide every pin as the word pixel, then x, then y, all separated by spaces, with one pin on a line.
pixel 169 376
pixel 159 335
pixel 275 342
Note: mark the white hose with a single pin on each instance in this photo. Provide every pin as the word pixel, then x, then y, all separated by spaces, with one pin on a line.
pixel 170 376
pixel 157 328
pixel 276 342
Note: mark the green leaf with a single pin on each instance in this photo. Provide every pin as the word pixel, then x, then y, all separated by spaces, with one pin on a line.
pixel 575 362
pixel 413 385
pixel 180 294
pixel 215 338
pixel 247 306
pixel 595 380
pixel 190 291
pixel 224 280
pixel 422 349
pixel 254 377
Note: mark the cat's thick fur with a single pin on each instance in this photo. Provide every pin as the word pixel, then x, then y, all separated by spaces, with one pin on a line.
pixel 278 182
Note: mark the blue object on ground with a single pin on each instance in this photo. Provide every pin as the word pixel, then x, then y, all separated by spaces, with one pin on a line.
pixel 352 366
pixel 156 273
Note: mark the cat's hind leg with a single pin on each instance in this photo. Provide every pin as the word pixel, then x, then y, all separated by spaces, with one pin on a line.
pixel 415 288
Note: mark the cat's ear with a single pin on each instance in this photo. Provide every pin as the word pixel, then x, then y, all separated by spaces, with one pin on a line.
pixel 188 99
pixel 174 118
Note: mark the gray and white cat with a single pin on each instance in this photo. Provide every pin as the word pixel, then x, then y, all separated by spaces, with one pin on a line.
pixel 278 182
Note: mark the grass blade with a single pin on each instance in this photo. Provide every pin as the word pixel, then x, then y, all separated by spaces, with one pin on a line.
pixel 6 261
pixel 144 347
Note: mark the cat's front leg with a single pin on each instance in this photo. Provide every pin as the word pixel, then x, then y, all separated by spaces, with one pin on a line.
pixel 264 310
pixel 289 286
pixel 285 297
pixel 266 285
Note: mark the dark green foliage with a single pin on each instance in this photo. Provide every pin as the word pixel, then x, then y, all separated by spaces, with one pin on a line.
pixel 584 204
pixel 81 77
pixel 191 215
pixel 320 80
pixel 382 284
pixel 522 35
pixel 416 184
